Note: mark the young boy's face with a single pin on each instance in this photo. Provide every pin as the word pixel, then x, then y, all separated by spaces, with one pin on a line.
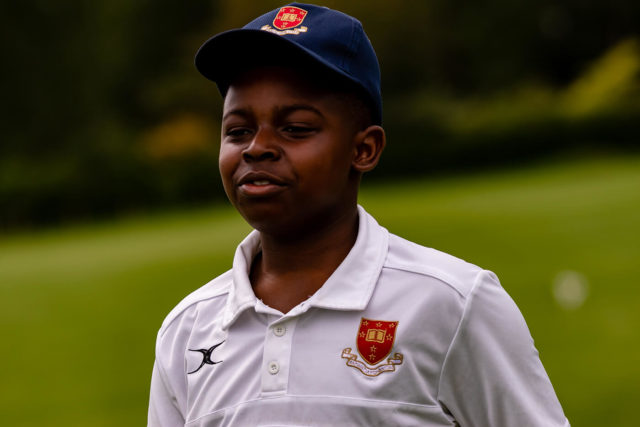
pixel 286 152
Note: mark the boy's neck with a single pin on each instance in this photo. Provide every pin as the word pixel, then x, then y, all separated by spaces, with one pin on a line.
pixel 288 272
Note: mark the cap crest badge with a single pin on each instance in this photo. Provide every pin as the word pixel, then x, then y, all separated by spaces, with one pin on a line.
pixel 374 343
pixel 289 17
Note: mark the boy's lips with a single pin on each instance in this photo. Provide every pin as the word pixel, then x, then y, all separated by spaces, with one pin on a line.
pixel 260 184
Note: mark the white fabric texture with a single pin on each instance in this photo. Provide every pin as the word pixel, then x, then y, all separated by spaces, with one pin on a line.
pixel 462 353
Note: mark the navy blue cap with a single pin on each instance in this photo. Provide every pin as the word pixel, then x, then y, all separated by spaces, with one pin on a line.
pixel 293 35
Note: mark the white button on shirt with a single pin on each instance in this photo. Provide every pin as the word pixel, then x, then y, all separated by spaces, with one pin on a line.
pixel 274 368
pixel 400 334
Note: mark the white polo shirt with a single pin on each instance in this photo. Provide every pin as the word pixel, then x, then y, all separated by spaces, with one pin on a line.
pixel 399 335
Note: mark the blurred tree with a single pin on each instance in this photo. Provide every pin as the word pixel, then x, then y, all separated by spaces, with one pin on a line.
pixel 80 80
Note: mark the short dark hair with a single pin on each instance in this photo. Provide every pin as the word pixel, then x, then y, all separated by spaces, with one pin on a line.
pixel 361 111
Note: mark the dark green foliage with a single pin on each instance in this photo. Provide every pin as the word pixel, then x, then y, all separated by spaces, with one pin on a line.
pixel 95 92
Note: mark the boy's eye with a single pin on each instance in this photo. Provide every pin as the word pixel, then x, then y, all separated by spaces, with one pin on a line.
pixel 237 132
pixel 298 130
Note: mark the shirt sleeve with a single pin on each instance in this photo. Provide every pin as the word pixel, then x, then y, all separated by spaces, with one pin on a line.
pixel 163 405
pixel 492 375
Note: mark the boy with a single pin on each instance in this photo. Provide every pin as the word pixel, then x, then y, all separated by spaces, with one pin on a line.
pixel 325 317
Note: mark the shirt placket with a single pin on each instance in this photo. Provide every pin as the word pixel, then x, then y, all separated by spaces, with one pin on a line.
pixel 276 359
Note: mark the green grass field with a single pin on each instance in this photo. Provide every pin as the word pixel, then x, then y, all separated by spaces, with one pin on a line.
pixel 80 307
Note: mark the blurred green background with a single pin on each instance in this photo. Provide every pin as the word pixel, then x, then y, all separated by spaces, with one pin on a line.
pixel 514 143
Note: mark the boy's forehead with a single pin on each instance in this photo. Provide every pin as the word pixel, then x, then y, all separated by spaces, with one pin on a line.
pixel 278 89
pixel 276 92
pixel 286 89
pixel 298 80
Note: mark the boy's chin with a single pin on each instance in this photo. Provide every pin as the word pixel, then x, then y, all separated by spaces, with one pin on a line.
pixel 266 218
pixel 279 229
pixel 278 222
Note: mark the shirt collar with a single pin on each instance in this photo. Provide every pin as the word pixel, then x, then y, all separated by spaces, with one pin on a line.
pixel 349 287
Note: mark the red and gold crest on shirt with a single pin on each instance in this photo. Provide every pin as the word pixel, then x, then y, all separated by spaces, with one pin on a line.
pixel 289 17
pixel 374 342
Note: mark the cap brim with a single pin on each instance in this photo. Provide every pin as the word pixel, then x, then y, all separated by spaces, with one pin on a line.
pixel 226 55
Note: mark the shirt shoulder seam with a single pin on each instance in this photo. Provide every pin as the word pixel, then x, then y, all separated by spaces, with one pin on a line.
pixel 195 298
pixel 434 273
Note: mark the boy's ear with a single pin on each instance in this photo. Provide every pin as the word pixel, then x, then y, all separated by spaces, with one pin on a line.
pixel 368 147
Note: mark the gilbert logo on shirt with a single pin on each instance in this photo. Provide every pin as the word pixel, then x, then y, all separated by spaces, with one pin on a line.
pixel 206 357
pixel 374 341
pixel 287 21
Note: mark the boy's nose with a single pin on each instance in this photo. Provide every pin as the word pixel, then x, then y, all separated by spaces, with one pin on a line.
pixel 262 147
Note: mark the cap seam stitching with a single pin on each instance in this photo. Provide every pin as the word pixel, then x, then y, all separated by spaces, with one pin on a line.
pixel 353 48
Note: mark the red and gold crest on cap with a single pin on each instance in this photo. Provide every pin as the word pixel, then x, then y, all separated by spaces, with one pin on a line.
pixel 374 341
pixel 289 17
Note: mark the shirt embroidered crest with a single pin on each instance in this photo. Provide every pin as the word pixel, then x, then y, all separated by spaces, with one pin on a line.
pixel 289 17
pixel 374 342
